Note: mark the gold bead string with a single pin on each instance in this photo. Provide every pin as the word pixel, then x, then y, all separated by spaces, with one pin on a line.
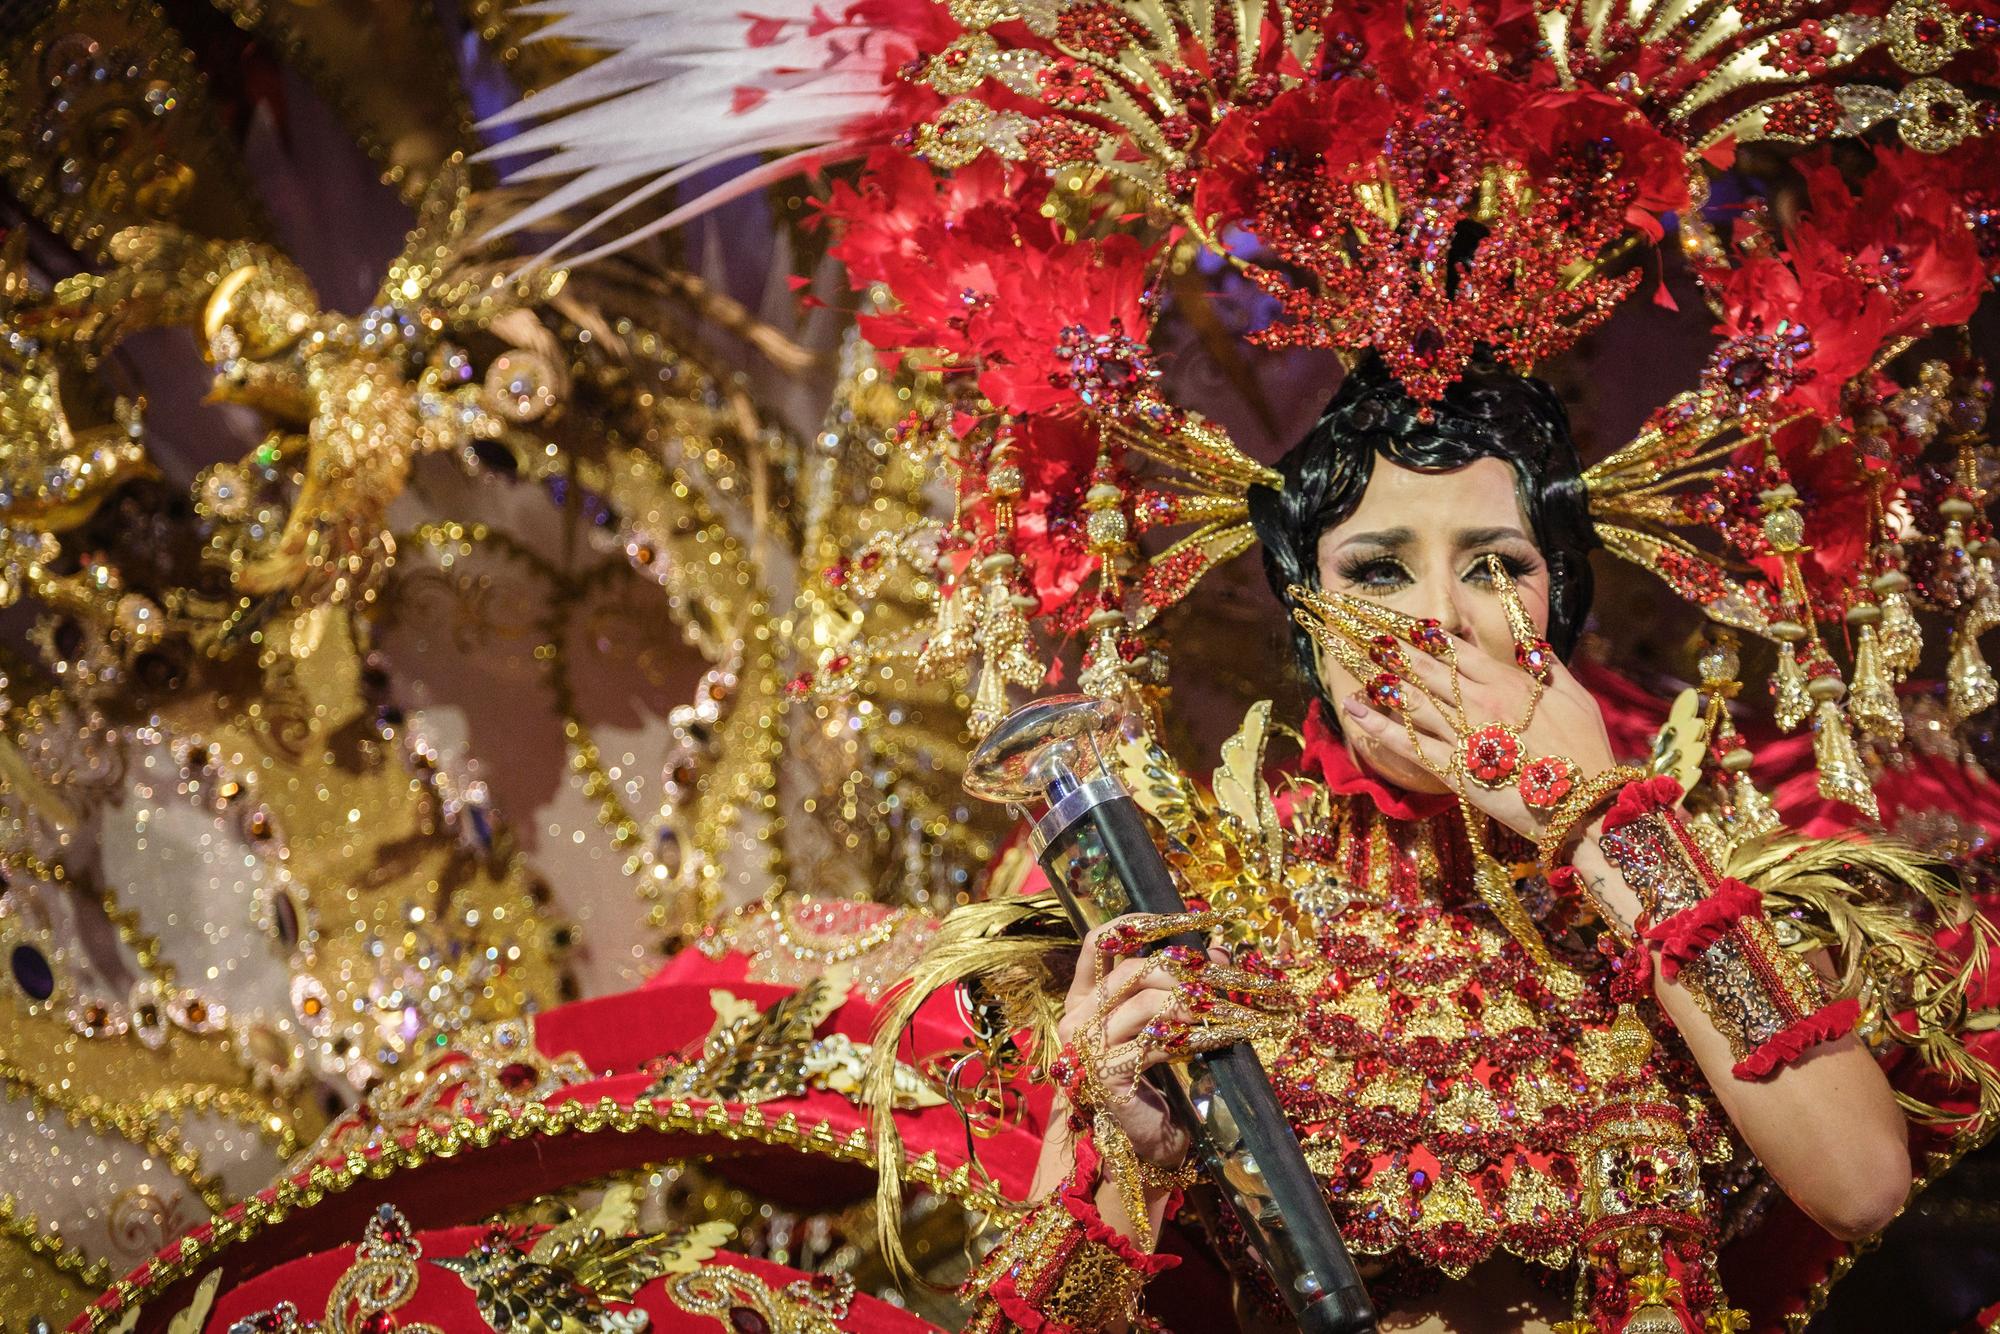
pixel 126 1122
pixel 65 1257
pixel 828 950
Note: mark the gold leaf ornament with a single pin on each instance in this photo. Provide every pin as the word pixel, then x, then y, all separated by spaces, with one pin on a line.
pixel 562 1282
pixel 752 1055
pixel 813 1305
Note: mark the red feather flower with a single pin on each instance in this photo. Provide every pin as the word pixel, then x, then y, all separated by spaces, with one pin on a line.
pixel 1053 306
pixel 980 275
pixel 1055 454
pixel 1836 489
pixel 1894 259
pixel 938 243
pixel 1627 164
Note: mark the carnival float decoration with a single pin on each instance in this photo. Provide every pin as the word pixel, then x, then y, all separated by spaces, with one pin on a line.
pixel 542 619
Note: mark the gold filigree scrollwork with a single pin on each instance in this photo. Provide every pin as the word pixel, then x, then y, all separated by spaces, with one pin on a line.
pixel 813 1305
pixel 105 123
pixel 486 1071
pixel 383 1277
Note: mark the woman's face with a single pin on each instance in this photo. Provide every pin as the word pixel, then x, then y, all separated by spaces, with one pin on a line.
pixel 1418 542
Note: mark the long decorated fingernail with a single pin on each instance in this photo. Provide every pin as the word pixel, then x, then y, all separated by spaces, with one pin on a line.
pixel 1531 651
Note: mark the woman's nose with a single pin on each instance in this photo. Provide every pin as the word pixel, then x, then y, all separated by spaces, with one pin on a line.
pixel 1445 601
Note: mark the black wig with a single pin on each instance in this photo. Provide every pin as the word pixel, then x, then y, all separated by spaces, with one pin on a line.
pixel 1490 412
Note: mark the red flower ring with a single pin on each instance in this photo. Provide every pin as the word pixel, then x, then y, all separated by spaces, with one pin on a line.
pixel 1492 755
pixel 1386 692
pixel 1546 780
pixel 1536 659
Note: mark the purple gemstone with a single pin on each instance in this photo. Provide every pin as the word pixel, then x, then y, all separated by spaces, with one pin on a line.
pixel 33 973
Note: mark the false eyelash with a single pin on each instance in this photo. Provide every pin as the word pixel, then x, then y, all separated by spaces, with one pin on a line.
pixel 1354 567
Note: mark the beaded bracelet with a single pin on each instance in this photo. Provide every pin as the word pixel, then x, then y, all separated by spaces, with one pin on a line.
pixel 1714 938
pixel 1575 811
pixel 1061 1269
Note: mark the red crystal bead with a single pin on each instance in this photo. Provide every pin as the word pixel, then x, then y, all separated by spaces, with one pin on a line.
pixel 1384 653
pixel 1429 636
pixel 1536 659
pixel 391 1226
pixel 1646 1180
pixel 1386 692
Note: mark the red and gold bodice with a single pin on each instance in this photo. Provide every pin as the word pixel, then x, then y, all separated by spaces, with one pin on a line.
pixel 1441 1087
pixel 1438 1084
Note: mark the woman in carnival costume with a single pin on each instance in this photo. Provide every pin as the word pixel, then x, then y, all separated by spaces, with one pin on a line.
pixel 1571 1044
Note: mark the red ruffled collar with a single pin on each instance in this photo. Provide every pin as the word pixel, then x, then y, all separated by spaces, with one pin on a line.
pixel 1327 754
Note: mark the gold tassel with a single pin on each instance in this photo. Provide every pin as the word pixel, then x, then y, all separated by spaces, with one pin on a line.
pixel 1842 776
pixel 1755 816
pixel 1003 624
pixel 1105 673
pixel 1984 613
pixel 1105 677
pixel 989 700
pixel 1873 704
pixel 1969 684
pixel 949 649
pixel 1790 703
pixel 1005 945
pixel 1902 637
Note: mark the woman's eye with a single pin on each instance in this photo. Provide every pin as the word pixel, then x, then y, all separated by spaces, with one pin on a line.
pixel 1376 574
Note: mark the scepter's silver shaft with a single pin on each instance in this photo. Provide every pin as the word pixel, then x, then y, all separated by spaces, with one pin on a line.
pixel 1093 841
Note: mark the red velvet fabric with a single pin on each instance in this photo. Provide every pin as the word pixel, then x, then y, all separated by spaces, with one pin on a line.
pixel 1327 757
pixel 1641 797
pixel 1830 1021
pixel 1692 930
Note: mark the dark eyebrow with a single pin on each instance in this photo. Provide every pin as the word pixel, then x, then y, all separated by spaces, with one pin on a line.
pixel 1390 539
pixel 1479 537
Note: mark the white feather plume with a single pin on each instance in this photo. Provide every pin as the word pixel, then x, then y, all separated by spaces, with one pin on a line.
pixel 685 87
